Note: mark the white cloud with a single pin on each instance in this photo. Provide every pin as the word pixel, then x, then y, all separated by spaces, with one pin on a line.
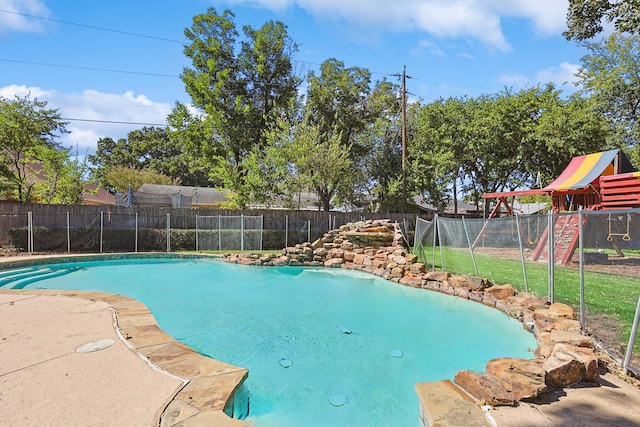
pixel 14 18
pixel 563 75
pixel 98 111
pixel 428 46
pixel 515 80
pixel 473 19
pixel 547 16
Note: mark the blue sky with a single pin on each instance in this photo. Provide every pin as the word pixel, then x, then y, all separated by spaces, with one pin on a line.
pixel 60 50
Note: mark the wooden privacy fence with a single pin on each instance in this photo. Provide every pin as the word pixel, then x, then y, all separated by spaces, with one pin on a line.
pixel 281 227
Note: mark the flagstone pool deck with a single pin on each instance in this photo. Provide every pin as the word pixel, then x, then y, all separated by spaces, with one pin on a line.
pixel 147 378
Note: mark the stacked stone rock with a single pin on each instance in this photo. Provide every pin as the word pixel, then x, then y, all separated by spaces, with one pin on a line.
pixel 564 355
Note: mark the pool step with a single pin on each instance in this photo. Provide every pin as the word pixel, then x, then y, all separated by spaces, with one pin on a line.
pixel 14 271
pixel 19 281
pixel 10 276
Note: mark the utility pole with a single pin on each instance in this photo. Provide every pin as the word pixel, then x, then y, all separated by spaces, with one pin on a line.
pixel 404 118
pixel 403 91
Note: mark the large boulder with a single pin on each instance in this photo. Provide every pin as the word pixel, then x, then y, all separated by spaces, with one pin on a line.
pixel 439 276
pixel 579 340
pixel 558 310
pixel 522 378
pixel 501 292
pixel 486 389
pixel 569 364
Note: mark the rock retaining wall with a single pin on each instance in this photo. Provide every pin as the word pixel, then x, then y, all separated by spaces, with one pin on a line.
pixel 564 355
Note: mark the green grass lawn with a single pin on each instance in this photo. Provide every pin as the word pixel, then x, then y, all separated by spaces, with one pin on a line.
pixel 613 296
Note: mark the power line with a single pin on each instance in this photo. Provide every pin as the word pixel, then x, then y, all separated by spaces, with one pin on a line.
pixel 88 68
pixel 93 27
pixel 113 122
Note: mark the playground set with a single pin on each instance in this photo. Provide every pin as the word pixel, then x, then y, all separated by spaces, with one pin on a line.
pixel 598 181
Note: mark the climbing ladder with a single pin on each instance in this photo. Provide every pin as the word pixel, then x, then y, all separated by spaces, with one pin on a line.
pixel 565 234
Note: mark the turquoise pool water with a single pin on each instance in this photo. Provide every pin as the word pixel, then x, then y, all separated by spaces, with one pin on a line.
pixel 323 347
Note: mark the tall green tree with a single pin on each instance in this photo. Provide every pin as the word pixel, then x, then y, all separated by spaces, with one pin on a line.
pixel 241 85
pixel 610 75
pixel 29 150
pixel 383 162
pixel 439 149
pixel 500 142
pixel 149 148
pixel 60 178
pixel 585 18
pixel 337 103
pixel 323 164
pixel 121 178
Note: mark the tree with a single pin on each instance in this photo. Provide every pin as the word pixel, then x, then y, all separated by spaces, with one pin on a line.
pixel 518 135
pixel 500 142
pixel 28 146
pixel 337 103
pixel 149 148
pixel 122 178
pixel 240 86
pixel 61 178
pixel 439 148
pixel 610 75
pixel 323 163
pixel 383 162
pixel 585 17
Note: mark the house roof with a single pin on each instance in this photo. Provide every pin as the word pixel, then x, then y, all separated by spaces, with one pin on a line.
pixel 95 195
pixel 529 208
pixel 463 208
pixel 195 196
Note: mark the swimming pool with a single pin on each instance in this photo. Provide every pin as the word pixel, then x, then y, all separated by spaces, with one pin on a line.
pixel 323 346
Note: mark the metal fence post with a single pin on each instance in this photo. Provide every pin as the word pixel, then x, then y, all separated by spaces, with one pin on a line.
pixel 632 338
pixel 136 247
pixel 473 258
pixel 30 231
pixel 168 232
pixel 581 266
pixel 101 228
pixel 440 245
pixel 219 234
pixel 197 231
pixel 68 233
pixel 309 231
pixel 433 248
pixel 286 231
pixel 242 232
pixel 550 255
pixel 522 260
pixel 261 230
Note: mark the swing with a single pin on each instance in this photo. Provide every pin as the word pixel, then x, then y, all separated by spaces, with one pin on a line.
pixel 537 236
pixel 625 236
